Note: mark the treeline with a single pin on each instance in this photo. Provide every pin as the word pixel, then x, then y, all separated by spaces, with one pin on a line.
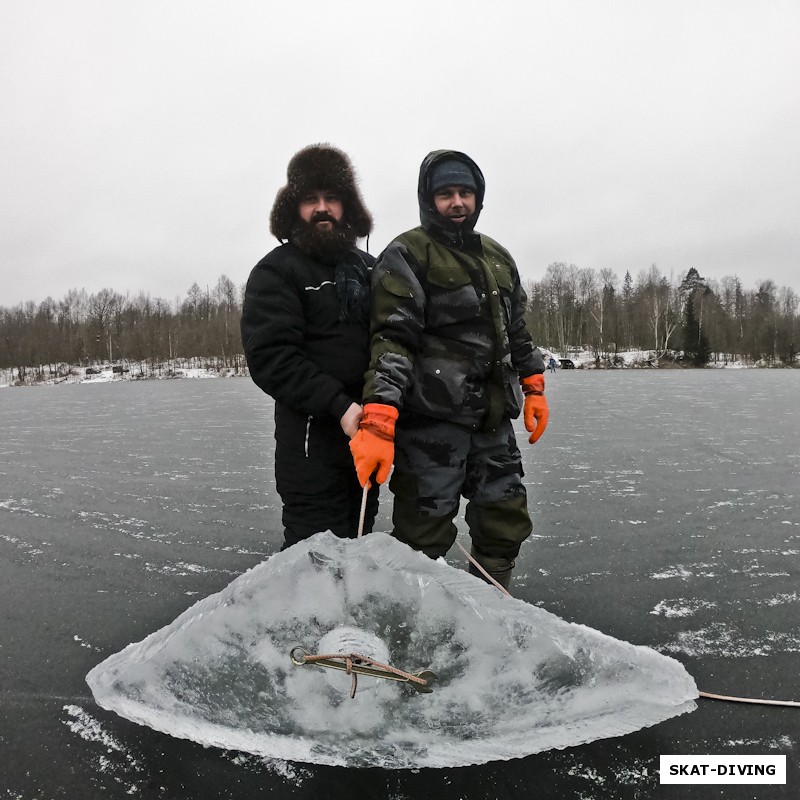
pixel 692 319
pixel 86 328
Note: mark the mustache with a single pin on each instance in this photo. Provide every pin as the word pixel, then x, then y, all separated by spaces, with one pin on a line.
pixel 322 216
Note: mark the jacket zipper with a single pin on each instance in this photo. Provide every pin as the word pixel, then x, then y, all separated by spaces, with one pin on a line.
pixel 308 433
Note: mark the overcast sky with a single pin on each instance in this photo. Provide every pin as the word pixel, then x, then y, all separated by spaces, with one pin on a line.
pixel 143 142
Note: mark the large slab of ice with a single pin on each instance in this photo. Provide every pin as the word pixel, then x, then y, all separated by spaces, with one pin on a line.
pixel 513 679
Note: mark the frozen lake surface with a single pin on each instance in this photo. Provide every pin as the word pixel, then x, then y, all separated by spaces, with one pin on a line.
pixel 666 514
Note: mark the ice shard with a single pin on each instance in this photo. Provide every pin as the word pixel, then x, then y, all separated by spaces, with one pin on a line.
pixel 512 679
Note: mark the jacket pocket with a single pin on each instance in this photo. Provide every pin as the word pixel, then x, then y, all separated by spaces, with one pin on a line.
pixel 394 284
pixel 448 275
pixel 443 386
pixel 292 431
pixel 452 296
pixel 513 391
pixel 502 274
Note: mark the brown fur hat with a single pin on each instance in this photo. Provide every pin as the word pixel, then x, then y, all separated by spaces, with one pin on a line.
pixel 319 166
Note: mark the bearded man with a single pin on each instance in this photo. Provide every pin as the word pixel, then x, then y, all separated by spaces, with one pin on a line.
pixel 305 331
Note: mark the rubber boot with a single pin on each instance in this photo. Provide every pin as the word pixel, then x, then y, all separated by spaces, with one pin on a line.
pixel 501 572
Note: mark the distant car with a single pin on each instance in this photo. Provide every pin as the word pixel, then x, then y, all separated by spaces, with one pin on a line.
pixel 567 363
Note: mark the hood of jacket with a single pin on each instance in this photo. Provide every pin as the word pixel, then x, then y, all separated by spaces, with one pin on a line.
pixel 429 217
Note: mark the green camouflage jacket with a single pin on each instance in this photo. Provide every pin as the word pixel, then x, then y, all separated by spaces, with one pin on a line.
pixel 448 333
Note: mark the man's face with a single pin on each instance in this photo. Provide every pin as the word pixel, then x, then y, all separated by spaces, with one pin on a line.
pixel 321 209
pixel 455 203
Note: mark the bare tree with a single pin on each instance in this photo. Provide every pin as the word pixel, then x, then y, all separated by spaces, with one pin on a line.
pixel 567 308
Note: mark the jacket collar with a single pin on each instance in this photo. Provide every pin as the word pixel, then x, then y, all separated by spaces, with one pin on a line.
pixel 466 241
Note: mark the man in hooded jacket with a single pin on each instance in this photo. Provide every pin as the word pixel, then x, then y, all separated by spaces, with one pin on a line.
pixel 449 349
pixel 305 330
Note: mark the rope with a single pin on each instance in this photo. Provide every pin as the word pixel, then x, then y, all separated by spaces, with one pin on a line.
pixel 756 701
pixel 484 572
pixel 363 511
pixel 706 695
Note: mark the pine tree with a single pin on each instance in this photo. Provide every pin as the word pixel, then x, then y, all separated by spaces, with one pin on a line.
pixel 696 349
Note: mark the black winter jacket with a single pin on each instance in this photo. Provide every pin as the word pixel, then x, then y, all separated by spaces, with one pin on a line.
pixel 298 349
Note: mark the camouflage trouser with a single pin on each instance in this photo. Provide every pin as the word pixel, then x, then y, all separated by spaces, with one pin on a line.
pixel 436 462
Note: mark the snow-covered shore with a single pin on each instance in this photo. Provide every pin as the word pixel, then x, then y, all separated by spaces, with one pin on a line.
pixel 637 359
pixel 52 374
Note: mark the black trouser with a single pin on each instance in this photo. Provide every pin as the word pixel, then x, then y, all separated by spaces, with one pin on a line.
pixel 316 478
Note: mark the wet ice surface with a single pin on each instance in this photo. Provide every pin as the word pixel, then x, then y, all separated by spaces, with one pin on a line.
pixel 666 514
pixel 696 479
pixel 156 468
pixel 513 679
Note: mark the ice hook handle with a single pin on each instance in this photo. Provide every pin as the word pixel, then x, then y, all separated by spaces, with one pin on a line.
pixel 355 664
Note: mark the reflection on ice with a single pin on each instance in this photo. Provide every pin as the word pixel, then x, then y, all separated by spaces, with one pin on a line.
pixel 512 679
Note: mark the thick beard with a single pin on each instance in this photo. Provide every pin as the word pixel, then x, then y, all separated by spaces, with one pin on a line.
pixel 325 245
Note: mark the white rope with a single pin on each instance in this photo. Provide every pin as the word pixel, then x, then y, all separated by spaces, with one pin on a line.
pixel 363 511
pixel 484 572
pixel 756 701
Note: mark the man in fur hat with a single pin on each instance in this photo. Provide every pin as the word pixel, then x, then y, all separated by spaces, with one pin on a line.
pixel 449 352
pixel 305 330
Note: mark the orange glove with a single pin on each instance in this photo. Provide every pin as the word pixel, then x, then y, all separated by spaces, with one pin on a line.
pixel 536 412
pixel 373 446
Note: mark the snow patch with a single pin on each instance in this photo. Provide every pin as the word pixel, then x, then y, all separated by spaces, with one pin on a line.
pixel 672 572
pixel 680 607
pixel 89 729
pixel 721 640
